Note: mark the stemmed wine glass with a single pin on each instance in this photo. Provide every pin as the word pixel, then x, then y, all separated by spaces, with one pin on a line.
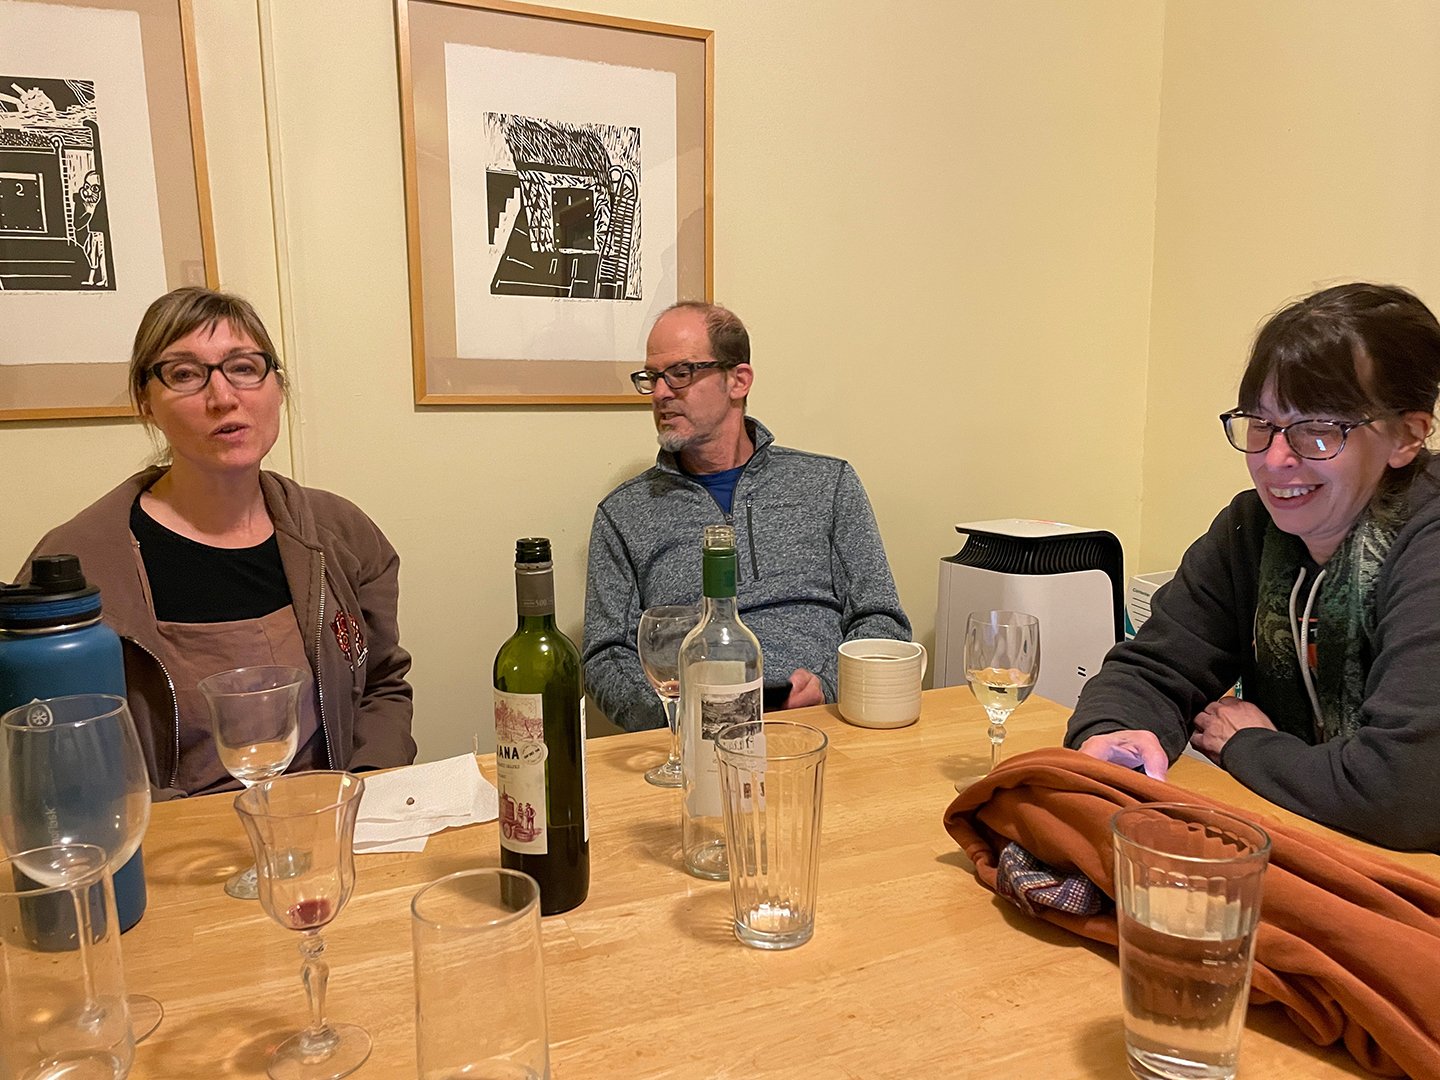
pixel 1002 662
pixel 254 713
pixel 662 630
pixel 302 828
pixel 72 772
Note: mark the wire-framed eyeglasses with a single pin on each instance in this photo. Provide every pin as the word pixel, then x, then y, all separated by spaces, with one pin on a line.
pixel 676 376
pixel 244 371
pixel 1315 440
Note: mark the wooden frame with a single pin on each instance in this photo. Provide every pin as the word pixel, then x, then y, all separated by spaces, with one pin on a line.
pixel 114 93
pixel 534 274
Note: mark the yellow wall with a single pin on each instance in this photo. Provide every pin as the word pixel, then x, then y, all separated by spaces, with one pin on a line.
pixel 937 219
pixel 1298 148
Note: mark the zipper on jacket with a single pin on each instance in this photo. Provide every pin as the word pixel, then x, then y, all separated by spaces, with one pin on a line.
pixel 750 530
pixel 319 688
pixel 174 708
pixel 728 515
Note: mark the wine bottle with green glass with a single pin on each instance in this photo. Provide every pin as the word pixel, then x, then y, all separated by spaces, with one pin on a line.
pixel 540 741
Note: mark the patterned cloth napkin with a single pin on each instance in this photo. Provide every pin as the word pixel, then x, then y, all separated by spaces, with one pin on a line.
pixel 1029 884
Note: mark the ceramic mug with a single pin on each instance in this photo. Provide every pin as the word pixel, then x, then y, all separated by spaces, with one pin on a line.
pixel 880 681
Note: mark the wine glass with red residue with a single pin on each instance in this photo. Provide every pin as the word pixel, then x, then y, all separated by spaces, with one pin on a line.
pixel 302 828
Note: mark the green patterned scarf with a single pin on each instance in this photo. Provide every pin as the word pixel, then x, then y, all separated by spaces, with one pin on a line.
pixel 1344 636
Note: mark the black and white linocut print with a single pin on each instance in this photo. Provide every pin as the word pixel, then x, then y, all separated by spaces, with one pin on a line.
pixel 54 214
pixel 563 208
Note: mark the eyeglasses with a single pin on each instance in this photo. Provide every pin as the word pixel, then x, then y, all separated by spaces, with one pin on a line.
pixel 244 371
pixel 676 376
pixel 1315 440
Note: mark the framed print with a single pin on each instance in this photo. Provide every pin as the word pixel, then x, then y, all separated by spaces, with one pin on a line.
pixel 558 195
pixel 104 203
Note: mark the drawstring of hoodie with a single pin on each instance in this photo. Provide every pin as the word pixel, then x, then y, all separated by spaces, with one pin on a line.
pixel 1300 634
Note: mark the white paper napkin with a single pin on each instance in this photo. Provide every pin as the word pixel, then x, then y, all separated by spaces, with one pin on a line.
pixel 401 808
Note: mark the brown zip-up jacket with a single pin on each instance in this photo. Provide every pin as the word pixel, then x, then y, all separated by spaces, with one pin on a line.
pixel 344 583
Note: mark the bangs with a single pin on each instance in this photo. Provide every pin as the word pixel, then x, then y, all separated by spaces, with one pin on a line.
pixel 1311 367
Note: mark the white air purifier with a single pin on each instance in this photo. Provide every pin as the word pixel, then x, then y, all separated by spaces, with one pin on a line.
pixel 1070 578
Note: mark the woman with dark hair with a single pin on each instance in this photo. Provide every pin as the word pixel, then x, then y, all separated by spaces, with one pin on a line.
pixel 1319 591
pixel 208 562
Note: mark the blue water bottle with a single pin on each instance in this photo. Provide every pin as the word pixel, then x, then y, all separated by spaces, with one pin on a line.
pixel 52 643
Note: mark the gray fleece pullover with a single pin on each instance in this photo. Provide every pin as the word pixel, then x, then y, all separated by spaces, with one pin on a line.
pixel 1383 782
pixel 812 570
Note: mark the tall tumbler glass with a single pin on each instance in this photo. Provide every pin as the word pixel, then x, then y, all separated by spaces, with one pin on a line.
pixel 477 954
pixel 72 772
pixel 772 781
pixel 62 983
pixel 1188 882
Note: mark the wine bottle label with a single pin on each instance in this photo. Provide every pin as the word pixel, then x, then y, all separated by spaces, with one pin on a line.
pixel 535 589
pixel 520 754
pixel 720 706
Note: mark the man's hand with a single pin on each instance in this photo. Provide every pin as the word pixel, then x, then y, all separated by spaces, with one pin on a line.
pixel 805 689
pixel 1222 719
pixel 1130 748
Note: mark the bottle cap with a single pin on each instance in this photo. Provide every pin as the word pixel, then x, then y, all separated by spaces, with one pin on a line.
pixel 58 574
pixel 57 594
pixel 719 538
pixel 532 549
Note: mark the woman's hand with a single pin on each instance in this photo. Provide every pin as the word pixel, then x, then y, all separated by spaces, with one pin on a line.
pixel 1130 748
pixel 1222 719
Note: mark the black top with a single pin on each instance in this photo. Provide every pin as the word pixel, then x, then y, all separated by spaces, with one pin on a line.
pixel 1378 783
pixel 192 582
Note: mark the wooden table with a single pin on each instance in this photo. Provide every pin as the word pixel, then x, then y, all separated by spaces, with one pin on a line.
pixel 914 970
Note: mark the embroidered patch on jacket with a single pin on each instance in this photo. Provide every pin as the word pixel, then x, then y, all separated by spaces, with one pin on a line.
pixel 350 638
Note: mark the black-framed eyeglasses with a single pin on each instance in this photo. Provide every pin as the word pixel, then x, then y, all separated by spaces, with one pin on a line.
pixel 1315 440
pixel 676 376
pixel 244 371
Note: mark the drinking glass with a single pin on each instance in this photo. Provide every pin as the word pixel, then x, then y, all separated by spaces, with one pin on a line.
pixel 302 828
pixel 1002 662
pixel 662 630
pixel 479 928
pixel 1188 885
pixel 72 772
pixel 772 781
pixel 62 984
pixel 254 713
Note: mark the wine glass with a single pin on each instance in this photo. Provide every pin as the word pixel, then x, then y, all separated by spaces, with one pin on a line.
pixel 1002 662
pixel 72 772
pixel 254 713
pixel 662 629
pixel 302 828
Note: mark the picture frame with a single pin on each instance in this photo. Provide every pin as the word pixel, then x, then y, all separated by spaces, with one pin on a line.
pixel 558 196
pixel 105 200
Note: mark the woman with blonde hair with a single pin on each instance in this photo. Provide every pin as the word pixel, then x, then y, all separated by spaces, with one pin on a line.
pixel 208 562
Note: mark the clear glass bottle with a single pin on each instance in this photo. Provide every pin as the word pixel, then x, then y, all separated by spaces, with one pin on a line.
pixel 720 685
pixel 540 741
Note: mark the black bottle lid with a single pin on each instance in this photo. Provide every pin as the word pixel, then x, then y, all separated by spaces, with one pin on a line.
pixel 56 594
pixel 59 576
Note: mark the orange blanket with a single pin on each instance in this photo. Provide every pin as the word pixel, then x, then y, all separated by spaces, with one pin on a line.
pixel 1349 942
